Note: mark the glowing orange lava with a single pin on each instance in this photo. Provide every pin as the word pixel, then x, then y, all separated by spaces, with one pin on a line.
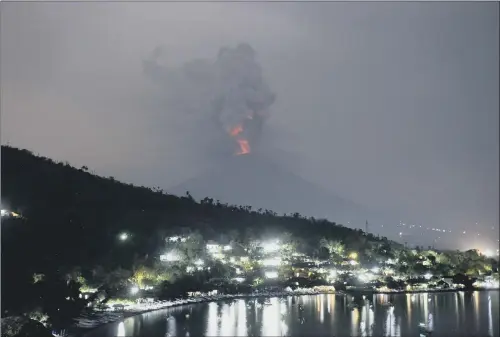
pixel 236 130
pixel 242 142
pixel 244 147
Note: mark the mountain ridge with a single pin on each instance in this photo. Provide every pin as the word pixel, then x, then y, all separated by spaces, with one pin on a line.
pixel 257 181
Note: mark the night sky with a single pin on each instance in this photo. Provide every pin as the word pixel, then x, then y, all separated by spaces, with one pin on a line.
pixel 392 105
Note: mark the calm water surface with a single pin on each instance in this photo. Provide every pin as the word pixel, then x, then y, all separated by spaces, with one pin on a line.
pixel 449 314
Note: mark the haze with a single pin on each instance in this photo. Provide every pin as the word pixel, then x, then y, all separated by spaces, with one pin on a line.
pixel 391 105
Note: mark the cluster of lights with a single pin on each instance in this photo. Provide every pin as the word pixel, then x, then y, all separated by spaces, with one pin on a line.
pixel 6 213
pixel 212 247
pixel 177 239
pixel 272 262
pixel 464 232
pixel 216 251
pixel 489 283
pixel 271 247
pixel 489 253
pixel 271 274
pixel 366 277
pixel 171 256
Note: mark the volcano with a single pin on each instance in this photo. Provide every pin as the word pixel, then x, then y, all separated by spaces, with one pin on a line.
pixel 257 181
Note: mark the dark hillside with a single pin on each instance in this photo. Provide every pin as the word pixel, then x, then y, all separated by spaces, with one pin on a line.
pixel 76 216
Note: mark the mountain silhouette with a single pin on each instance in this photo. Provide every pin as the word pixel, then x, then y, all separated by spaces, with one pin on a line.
pixel 256 180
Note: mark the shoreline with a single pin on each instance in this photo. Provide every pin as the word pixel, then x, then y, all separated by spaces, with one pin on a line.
pixel 434 291
pixel 79 331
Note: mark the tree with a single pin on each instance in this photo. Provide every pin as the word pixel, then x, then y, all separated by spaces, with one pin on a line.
pixel 143 275
pixel 464 280
pixel 335 249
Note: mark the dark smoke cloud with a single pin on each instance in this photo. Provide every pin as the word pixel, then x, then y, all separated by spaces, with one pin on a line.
pixel 229 91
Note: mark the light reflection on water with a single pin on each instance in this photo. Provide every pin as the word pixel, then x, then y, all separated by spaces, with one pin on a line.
pixel 121 330
pixel 171 327
pixel 490 318
pixel 212 320
pixel 377 315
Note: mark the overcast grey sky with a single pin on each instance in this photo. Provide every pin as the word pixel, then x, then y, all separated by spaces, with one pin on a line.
pixel 392 105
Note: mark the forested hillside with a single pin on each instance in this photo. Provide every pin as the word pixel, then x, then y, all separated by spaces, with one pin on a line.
pixel 80 214
pixel 72 218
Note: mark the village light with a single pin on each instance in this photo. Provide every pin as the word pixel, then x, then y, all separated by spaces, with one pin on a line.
pixel 272 262
pixel 353 255
pixel 199 262
pixel 488 253
pixel 4 212
pixel 123 236
pixel 353 263
pixel 375 270
pixel 239 279
pixel 219 256
pixel 270 247
pixel 134 290
pixel 227 247
pixel 271 274
pixel 428 276
pixel 169 257
pixel 212 247
pixel 365 277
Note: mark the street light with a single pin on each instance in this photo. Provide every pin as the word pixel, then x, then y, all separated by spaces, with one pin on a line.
pixel 171 257
pixel 134 290
pixel 271 274
pixel 123 236
pixel 270 247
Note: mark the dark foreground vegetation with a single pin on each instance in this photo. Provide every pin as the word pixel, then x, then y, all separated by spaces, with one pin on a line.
pixel 79 241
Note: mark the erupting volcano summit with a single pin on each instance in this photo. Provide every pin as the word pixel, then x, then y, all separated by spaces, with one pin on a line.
pixel 230 89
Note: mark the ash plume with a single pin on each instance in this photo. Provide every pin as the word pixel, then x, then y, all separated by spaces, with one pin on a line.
pixel 230 90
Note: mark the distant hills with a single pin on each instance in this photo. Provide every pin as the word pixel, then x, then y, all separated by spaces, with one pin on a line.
pixel 256 180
